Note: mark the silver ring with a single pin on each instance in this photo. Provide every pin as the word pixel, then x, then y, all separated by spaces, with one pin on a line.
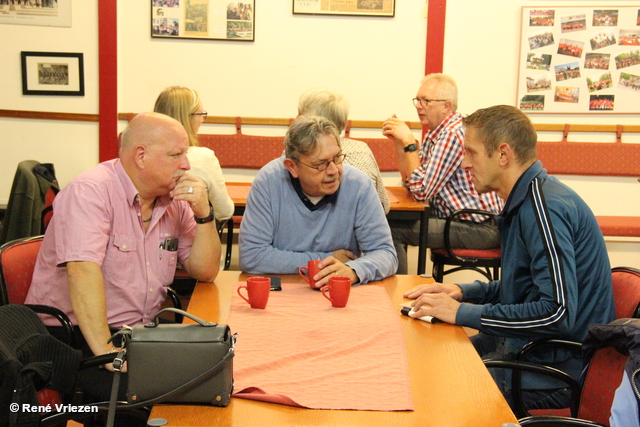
pixel 190 190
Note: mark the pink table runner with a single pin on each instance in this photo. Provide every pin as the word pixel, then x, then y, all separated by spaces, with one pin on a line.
pixel 300 351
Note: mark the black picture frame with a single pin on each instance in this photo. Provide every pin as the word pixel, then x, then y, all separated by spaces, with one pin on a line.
pixel 52 73
pixel 377 8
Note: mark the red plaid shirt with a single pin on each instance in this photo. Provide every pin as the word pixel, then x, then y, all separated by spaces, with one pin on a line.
pixel 441 180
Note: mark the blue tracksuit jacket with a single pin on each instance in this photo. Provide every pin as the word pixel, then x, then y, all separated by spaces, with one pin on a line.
pixel 556 277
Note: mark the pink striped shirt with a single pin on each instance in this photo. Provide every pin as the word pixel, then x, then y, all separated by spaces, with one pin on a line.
pixel 441 180
pixel 97 219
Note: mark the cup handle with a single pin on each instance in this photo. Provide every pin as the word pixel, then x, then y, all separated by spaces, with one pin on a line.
pixel 242 296
pixel 326 288
pixel 304 275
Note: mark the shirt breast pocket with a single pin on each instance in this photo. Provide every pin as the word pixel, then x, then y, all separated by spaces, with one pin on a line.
pixel 168 259
pixel 121 259
pixel 124 243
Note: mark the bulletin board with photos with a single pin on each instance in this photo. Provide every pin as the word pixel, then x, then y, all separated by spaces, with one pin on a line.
pixel 580 60
pixel 203 19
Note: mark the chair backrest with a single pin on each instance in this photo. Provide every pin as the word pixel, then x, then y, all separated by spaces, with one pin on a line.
pixel 17 262
pixel 601 381
pixel 626 291
pixel 47 211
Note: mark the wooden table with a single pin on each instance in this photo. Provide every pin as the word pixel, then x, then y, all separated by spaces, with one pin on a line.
pixel 405 209
pixel 450 385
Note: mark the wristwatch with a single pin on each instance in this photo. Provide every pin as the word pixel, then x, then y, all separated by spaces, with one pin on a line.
pixel 411 148
pixel 206 219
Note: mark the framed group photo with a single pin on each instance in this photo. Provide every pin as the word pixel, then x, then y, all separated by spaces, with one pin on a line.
pixel 203 19
pixel 580 60
pixel 345 7
pixel 48 13
pixel 52 73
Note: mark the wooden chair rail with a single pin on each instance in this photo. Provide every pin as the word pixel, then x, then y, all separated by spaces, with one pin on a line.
pixel 48 115
pixel 269 121
pixel 560 127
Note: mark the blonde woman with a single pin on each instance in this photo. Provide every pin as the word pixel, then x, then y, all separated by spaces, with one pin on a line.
pixel 183 104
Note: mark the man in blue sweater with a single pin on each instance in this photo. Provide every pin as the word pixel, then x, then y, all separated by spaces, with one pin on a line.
pixel 556 278
pixel 308 205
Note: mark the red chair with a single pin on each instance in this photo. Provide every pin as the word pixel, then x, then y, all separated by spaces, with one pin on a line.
pixel 592 400
pixel 484 261
pixel 17 262
pixel 626 292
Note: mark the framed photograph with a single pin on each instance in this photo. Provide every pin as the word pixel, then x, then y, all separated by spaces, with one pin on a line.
pixel 345 7
pixel 580 60
pixel 52 73
pixel 203 19
pixel 51 13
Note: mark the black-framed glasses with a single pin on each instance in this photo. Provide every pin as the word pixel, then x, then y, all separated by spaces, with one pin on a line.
pixel 424 101
pixel 321 167
pixel 204 114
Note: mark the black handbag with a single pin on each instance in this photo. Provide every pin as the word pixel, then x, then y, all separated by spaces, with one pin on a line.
pixel 177 363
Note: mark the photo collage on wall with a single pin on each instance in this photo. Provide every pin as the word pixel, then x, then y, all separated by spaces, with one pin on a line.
pixel 580 60
pixel 203 19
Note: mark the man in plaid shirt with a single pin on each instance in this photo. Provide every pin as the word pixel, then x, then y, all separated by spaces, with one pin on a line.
pixel 432 172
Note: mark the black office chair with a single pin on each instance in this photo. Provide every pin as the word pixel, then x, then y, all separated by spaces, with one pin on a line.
pixel 230 224
pixel 606 364
pixel 483 261
pixel 591 399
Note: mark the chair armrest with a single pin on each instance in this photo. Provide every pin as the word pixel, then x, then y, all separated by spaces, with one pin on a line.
pixel 220 225
pixel 547 343
pixel 102 359
pixel 520 366
pixel 447 227
pixel 61 317
pixel 176 304
pixel 552 421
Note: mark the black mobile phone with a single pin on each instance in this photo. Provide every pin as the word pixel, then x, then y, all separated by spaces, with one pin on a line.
pixel 275 284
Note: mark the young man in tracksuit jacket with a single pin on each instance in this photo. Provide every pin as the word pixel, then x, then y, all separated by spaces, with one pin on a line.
pixel 556 277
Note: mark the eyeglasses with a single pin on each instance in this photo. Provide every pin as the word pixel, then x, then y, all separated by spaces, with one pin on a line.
pixel 204 114
pixel 424 101
pixel 325 164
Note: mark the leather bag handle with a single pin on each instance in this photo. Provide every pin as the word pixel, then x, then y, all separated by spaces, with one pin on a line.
pixel 196 319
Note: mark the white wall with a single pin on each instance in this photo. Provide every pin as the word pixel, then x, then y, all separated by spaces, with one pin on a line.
pixel 356 56
pixel 375 62
pixel 71 147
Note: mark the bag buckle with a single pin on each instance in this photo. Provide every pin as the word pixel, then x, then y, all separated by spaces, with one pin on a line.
pixel 234 338
pixel 118 362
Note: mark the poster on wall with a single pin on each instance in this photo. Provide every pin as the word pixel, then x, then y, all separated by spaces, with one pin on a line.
pixel 345 7
pixel 203 19
pixel 580 60
pixel 52 13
